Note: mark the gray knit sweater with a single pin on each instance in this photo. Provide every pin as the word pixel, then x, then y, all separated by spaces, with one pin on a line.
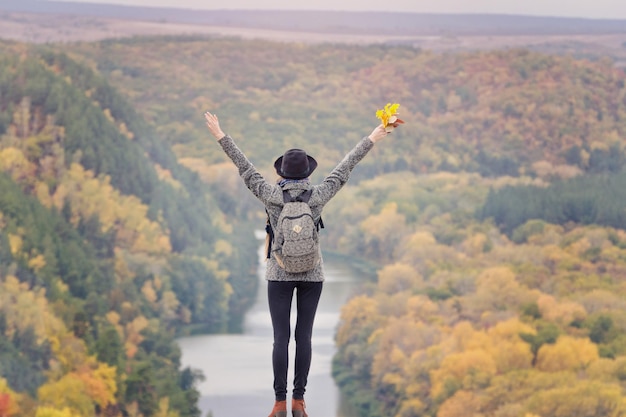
pixel 271 195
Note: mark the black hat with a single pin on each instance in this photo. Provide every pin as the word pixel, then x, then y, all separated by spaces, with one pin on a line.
pixel 295 164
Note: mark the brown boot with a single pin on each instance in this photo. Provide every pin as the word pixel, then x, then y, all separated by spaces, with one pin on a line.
pixel 280 409
pixel 297 408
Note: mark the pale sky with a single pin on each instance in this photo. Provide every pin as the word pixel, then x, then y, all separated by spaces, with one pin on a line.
pixel 601 9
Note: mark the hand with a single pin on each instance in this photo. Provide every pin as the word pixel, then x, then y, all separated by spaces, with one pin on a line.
pixel 378 133
pixel 214 125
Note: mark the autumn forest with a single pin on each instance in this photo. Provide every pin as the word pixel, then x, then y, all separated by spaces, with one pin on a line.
pixel 493 222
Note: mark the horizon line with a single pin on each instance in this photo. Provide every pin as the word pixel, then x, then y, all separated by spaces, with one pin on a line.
pixel 451 14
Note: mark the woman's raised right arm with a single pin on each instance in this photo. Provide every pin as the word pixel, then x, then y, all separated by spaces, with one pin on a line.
pixel 340 175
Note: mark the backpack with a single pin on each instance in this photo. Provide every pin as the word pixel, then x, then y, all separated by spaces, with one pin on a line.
pixel 295 240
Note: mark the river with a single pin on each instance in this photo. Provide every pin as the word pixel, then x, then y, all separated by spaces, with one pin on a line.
pixel 238 367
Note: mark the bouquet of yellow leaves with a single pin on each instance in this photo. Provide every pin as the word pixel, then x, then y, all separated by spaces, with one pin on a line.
pixel 389 116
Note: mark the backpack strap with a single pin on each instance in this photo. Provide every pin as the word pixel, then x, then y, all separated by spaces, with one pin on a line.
pixel 319 224
pixel 270 235
pixel 303 197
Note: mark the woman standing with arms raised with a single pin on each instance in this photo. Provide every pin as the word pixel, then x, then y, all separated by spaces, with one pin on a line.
pixel 293 168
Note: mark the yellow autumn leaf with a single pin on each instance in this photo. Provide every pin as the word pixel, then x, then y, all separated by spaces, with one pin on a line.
pixel 387 112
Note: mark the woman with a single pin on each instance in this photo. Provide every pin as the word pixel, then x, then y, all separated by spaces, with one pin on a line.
pixel 294 169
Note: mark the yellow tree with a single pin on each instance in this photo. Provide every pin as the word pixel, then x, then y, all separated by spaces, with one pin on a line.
pixel 421 308
pixel 398 277
pixel 24 308
pixel 68 392
pixel 507 349
pixel 383 231
pixel 582 398
pixel 100 383
pixel 91 384
pixel 396 343
pixel 411 407
pixel 475 244
pixel 126 214
pixel 54 412
pixel 421 250
pixel 461 404
pixel 563 312
pixel 14 162
pixel 469 369
pixel 567 354
pixel 498 289
pixel 357 315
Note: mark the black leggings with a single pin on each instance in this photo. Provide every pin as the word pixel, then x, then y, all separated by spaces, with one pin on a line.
pixel 280 294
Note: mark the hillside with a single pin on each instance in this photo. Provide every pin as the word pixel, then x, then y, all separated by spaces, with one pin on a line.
pixel 497 113
pixel 109 248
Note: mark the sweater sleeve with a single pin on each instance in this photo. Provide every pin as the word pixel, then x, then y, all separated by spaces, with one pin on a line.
pixel 340 175
pixel 255 182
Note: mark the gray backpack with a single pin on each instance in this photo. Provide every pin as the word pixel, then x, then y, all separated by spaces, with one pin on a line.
pixel 295 240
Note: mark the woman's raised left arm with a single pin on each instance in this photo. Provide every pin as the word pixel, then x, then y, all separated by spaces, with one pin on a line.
pixel 255 182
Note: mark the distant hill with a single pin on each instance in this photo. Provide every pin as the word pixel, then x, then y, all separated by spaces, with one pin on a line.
pixel 390 23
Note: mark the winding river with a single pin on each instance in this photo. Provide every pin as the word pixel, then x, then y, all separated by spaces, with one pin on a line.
pixel 238 368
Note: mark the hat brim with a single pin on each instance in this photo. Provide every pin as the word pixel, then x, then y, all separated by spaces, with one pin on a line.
pixel 279 163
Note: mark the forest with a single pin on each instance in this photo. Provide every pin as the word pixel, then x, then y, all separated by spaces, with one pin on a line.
pixel 493 221
pixel 109 245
